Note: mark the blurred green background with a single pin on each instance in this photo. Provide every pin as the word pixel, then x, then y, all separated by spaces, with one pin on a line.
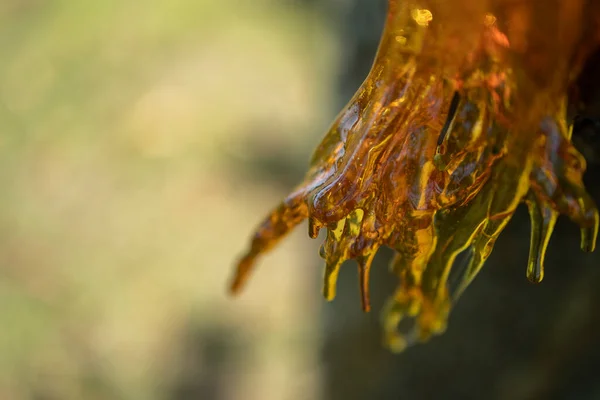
pixel 132 140
pixel 143 141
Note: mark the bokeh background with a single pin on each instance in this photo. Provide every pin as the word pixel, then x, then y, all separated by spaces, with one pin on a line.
pixel 140 144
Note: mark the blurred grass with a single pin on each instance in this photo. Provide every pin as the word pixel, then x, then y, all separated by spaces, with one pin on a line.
pixel 125 128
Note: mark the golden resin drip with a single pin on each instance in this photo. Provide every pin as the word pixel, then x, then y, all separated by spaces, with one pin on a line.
pixel 460 120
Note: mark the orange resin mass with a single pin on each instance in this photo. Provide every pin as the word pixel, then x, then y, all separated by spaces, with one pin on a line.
pixel 461 119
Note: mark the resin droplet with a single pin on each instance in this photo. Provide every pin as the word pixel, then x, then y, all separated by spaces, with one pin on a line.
pixel 589 236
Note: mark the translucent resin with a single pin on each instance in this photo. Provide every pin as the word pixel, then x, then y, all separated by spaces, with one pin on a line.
pixel 461 119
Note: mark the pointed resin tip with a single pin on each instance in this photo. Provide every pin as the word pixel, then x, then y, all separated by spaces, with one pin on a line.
pixel 242 273
pixel 332 270
pixel 364 268
pixel 535 271
pixel 543 218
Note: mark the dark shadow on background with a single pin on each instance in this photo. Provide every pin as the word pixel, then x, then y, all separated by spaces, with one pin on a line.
pixel 204 363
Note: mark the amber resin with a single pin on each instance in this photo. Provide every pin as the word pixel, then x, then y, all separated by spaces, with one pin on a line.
pixel 461 119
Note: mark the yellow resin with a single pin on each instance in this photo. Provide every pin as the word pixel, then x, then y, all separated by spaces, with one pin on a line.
pixel 460 120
